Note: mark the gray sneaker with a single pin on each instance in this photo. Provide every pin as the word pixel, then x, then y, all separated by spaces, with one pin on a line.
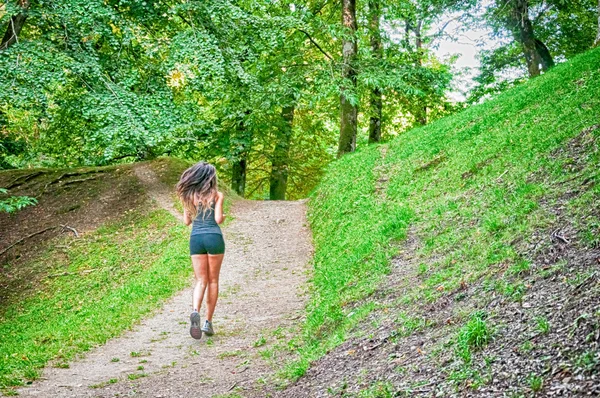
pixel 207 328
pixel 195 330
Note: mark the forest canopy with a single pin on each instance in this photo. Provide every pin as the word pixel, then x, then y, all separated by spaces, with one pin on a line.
pixel 269 91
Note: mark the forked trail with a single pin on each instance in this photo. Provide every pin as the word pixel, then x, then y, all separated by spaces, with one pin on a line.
pixel 262 282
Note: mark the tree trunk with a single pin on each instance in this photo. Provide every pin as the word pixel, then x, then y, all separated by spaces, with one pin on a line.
pixel 407 29
pixel 597 42
pixel 546 57
pixel 349 112
pixel 238 176
pixel 238 168
pixel 281 156
pixel 419 42
pixel 15 25
pixel 421 115
pixel 376 101
pixel 536 53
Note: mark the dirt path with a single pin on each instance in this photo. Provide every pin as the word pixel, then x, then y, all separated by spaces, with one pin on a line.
pixel 157 191
pixel 262 282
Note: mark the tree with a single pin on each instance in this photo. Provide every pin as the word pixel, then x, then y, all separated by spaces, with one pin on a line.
pixel 348 101
pixel 15 25
pixel 255 86
pixel 281 155
pixel 376 101
pixel 532 34
pixel 239 168
pixel 536 53
pixel 403 67
pixel 597 41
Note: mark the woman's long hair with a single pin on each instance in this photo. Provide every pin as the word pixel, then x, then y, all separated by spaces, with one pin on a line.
pixel 197 188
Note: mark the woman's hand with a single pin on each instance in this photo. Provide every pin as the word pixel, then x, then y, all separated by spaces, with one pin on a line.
pixel 187 218
pixel 219 217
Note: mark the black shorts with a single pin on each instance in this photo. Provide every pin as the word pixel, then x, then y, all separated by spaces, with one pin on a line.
pixel 207 244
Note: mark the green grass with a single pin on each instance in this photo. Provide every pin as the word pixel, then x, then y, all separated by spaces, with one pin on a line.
pixel 474 335
pixel 130 268
pixel 535 382
pixel 230 354
pixel 260 342
pixel 135 376
pixel 378 390
pixel 542 325
pixel 472 185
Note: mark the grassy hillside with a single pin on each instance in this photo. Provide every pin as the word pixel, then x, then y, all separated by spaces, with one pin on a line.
pixel 61 294
pixel 444 229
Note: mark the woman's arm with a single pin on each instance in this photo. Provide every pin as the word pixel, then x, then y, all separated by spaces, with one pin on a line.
pixel 219 217
pixel 187 219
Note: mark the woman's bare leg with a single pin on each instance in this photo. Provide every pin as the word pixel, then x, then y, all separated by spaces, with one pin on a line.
pixel 200 264
pixel 214 268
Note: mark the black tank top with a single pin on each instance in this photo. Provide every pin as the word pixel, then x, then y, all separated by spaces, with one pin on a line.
pixel 205 223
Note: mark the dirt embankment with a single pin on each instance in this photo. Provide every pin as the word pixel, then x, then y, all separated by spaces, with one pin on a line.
pixel 70 202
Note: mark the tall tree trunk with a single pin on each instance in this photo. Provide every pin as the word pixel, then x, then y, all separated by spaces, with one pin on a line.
pixel 15 25
pixel 349 112
pixel 545 56
pixel 407 29
pixel 536 53
pixel 238 168
pixel 597 42
pixel 281 156
pixel 376 101
pixel 421 115
pixel 238 175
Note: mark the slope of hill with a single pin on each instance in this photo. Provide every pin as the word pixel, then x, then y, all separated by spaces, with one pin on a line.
pixel 87 262
pixel 463 257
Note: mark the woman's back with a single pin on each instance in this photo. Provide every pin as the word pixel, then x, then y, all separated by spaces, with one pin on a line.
pixel 205 223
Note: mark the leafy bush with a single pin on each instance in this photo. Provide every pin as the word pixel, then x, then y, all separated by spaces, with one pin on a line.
pixel 14 203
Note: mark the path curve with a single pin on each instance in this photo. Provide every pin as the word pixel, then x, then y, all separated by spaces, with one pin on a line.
pixel 262 283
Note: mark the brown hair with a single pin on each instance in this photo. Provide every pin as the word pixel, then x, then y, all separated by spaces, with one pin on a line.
pixel 197 187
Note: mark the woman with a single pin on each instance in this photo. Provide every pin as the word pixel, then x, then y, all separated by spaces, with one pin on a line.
pixel 203 208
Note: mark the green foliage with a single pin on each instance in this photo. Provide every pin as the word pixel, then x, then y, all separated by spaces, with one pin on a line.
pixel 101 82
pixel 260 342
pixel 474 177
pixel 588 360
pixel 15 203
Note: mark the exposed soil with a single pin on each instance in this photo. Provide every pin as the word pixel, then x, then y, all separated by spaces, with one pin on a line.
pixel 262 289
pixel 81 200
pixel 157 191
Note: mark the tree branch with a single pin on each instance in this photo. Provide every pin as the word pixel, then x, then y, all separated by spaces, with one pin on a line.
pixel 315 44
pixel 541 14
pixel 15 24
pixel 27 237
